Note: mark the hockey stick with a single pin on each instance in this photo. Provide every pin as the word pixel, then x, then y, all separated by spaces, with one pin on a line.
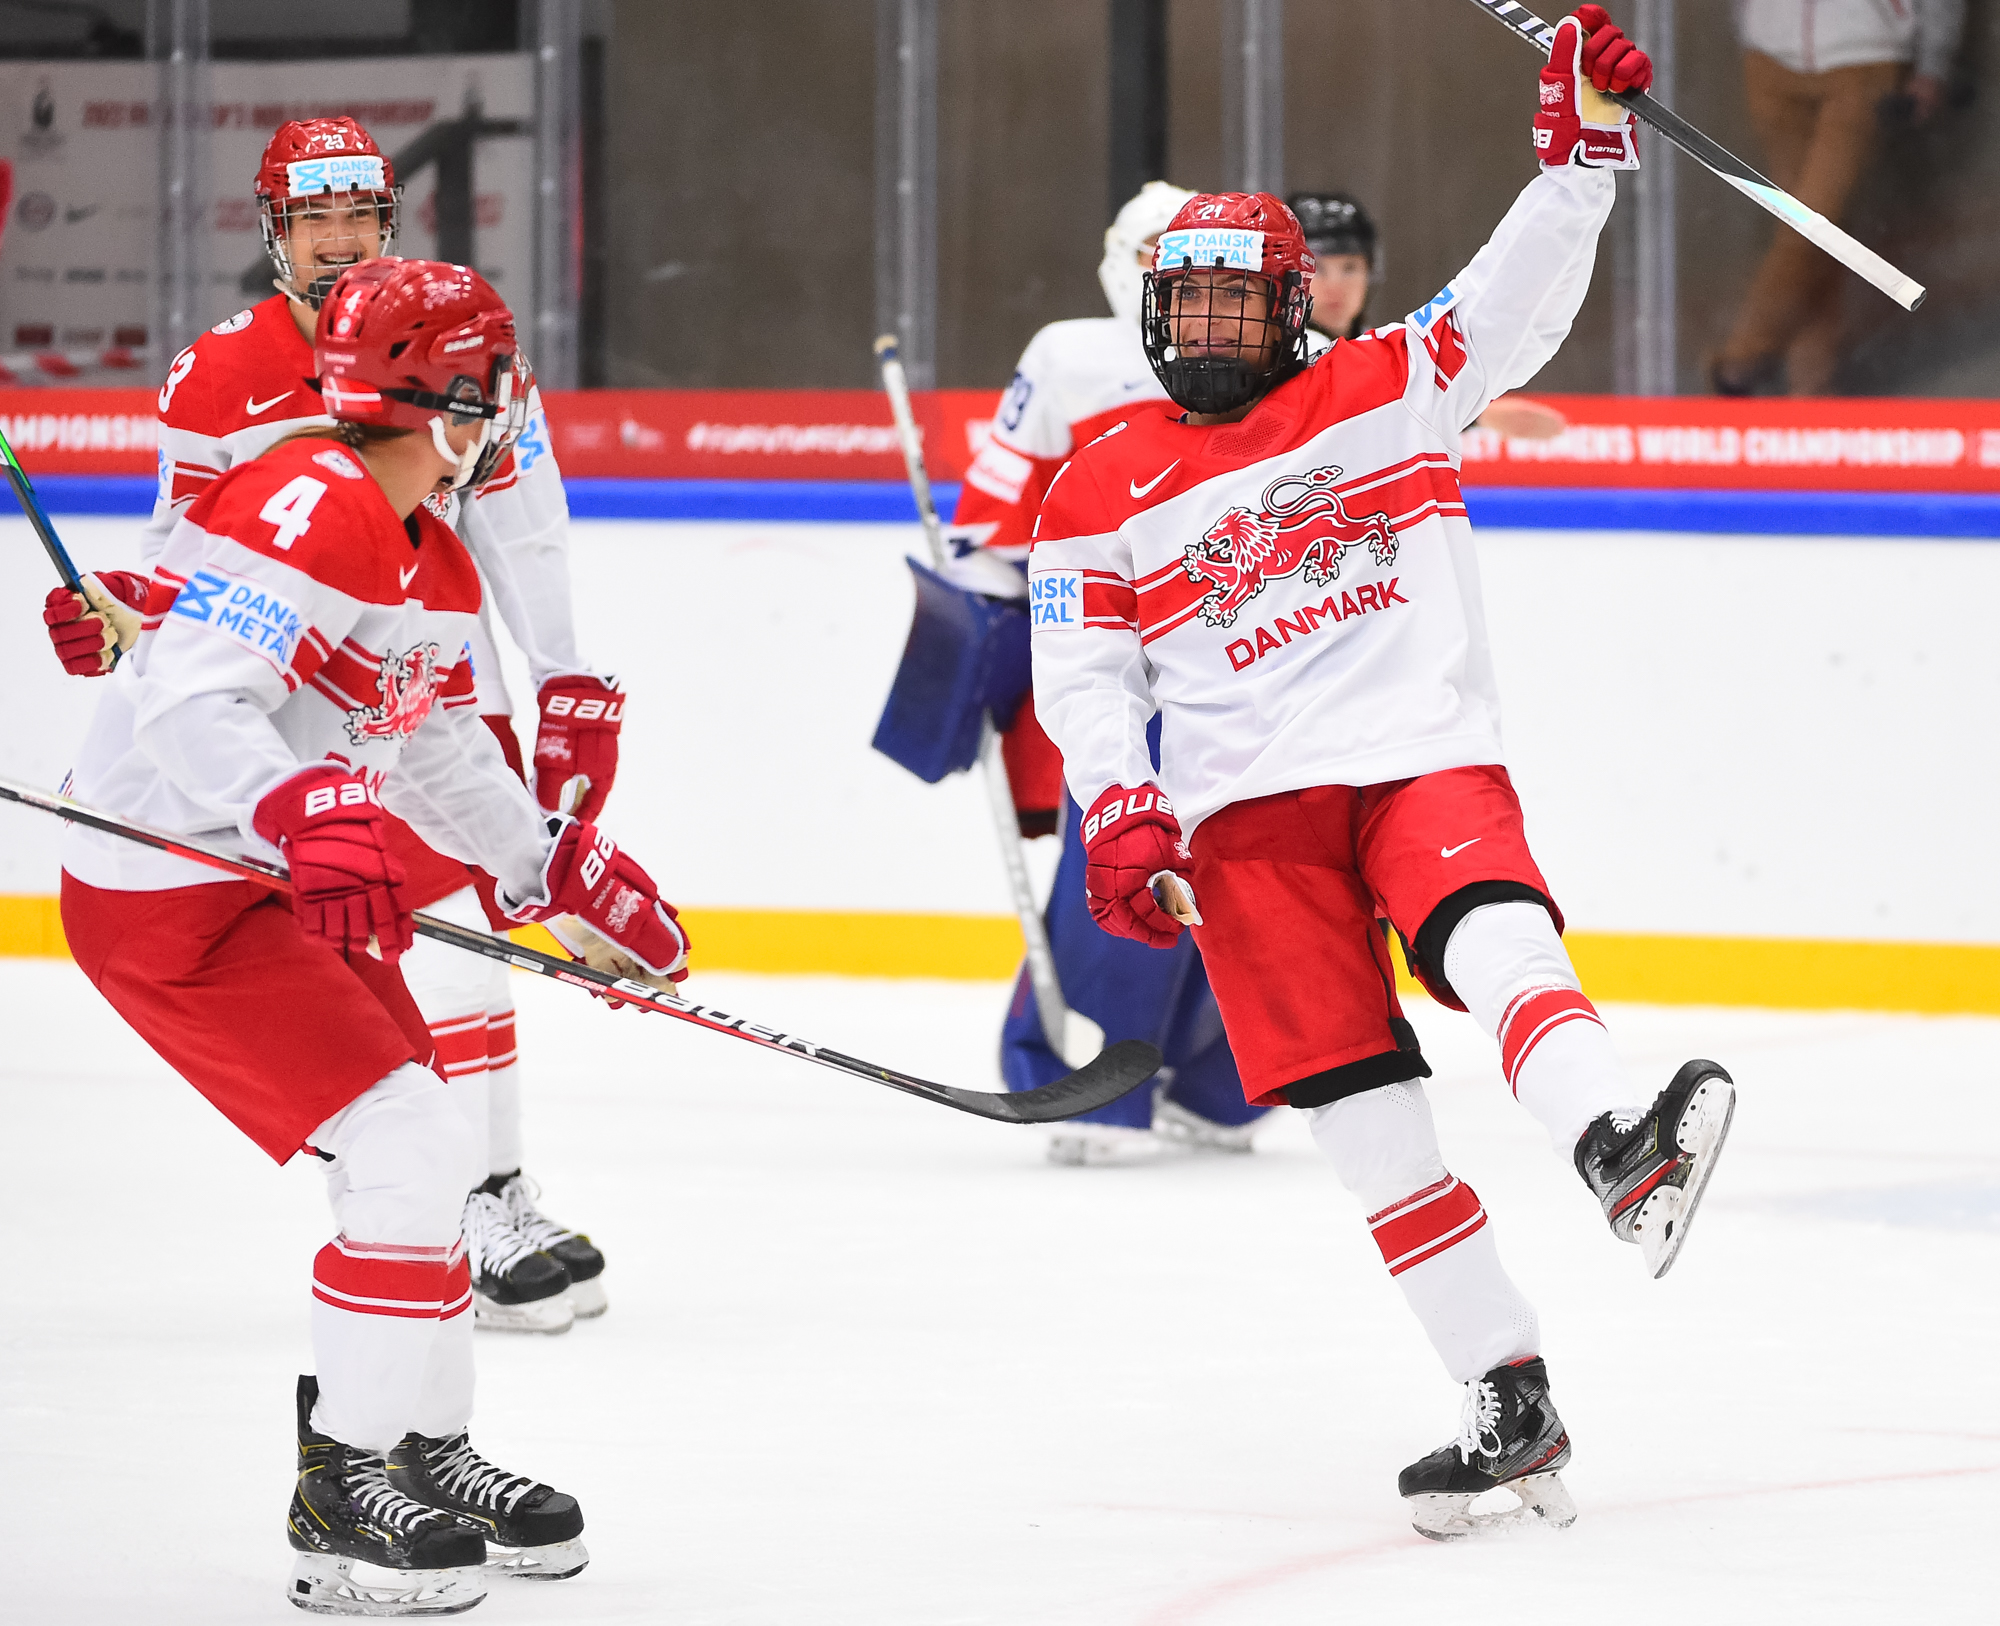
pixel 1712 155
pixel 31 505
pixel 1070 1034
pixel 1124 1066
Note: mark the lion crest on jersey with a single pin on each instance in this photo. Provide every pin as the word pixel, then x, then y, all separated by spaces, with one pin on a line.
pixel 1304 529
pixel 408 684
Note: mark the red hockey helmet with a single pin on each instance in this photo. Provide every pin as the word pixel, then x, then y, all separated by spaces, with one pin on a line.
pixel 1215 339
pixel 412 343
pixel 310 163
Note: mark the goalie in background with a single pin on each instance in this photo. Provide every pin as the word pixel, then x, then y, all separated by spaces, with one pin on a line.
pixel 1077 379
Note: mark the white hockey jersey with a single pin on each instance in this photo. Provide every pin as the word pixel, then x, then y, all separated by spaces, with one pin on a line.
pixel 246 384
pixel 1298 591
pixel 295 619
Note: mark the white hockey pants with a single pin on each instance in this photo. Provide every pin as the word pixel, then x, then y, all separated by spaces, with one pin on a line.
pixel 392 1297
pixel 469 1007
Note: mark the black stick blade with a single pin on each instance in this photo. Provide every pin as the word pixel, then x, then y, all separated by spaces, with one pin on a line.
pixel 1116 1070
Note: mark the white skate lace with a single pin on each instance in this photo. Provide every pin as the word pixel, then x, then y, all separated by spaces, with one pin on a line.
pixel 491 1239
pixel 1478 1422
pixel 367 1484
pixel 521 1194
pixel 462 1472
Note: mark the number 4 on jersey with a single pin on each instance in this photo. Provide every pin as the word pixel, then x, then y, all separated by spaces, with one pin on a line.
pixel 290 508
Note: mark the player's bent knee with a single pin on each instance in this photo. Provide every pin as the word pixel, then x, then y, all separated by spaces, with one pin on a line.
pixel 1430 951
pixel 1497 949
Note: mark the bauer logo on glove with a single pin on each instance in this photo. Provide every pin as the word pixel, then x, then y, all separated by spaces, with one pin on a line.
pixel 587 876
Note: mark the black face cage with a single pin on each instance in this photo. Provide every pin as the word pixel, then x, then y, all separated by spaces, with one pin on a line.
pixel 1228 376
pixel 273 213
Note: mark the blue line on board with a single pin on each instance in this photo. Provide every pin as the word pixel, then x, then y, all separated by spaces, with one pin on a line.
pixel 1566 508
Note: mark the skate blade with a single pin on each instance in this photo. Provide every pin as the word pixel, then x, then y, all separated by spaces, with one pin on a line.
pixel 556 1562
pixel 586 1299
pixel 322 1584
pixel 1177 1125
pixel 1120 1146
pixel 550 1315
pixel 1545 1504
pixel 1665 1217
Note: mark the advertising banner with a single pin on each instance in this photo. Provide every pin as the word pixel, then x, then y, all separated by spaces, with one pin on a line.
pixel 846 435
pixel 81 237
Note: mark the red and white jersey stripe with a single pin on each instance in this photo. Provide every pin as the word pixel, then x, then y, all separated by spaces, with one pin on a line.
pixel 294 619
pixel 1298 591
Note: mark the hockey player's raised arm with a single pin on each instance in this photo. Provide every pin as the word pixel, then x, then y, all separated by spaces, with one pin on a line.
pixel 1092 685
pixel 1499 321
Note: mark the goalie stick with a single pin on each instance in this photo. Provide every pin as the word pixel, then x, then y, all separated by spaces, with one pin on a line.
pixel 1122 1067
pixel 1070 1034
pixel 1810 224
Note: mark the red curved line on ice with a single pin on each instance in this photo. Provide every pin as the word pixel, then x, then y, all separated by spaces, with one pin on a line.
pixel 1201 1600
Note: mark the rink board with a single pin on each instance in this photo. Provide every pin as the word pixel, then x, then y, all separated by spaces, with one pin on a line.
pixel 1757 769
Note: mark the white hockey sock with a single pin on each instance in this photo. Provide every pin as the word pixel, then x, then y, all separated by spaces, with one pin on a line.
pixel 444 1402
pixel 1431 1228
pixel 402 1155
pixel 503 1084
pixel 1507 964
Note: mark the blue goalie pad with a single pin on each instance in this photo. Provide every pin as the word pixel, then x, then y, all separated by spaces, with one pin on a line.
pixel 967 655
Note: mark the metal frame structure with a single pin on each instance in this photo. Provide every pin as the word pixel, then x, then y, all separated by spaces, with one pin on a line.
pixel 906 212
pixel 177 42
pixel 1253 95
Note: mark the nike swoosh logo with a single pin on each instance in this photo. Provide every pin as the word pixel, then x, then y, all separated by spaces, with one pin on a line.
pixel 255 407
pixel 407 576
pixel 1141 490
pixel 1453 852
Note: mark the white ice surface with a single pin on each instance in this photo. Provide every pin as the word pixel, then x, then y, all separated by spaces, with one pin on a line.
pixel 872 1363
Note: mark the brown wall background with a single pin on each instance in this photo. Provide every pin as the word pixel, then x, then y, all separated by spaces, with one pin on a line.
pixel 739 183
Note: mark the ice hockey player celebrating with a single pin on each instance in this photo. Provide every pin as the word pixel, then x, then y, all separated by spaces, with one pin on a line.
pixel 328 199
pixel 304 665
pixel 1076 379
pixel 1285 570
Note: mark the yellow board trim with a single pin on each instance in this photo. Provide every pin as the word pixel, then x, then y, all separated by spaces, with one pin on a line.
pixel 1786 973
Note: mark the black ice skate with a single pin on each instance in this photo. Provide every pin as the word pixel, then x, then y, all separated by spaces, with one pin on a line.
pixel 1509 1434
pixel 1650 1173
pixel 571 1249
pixel 529 1530
pixel 516 1286
pixel 364 1547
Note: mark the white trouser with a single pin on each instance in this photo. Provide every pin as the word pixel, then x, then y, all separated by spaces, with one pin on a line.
pixel 392 1336
pixel 1507 964
pixel 469 1006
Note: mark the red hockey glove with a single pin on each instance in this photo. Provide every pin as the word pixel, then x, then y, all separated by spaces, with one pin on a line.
pixel 578 737
pixel 1591 58
pixel 587 876
pixel 85 635
pixel 1131 838
pixel 347 887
